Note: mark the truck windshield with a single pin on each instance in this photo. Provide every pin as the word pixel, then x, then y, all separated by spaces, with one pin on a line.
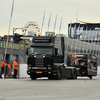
pixel 40 50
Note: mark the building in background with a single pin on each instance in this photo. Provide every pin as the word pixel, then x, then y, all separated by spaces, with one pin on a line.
pixel 84 36
pixel 85 31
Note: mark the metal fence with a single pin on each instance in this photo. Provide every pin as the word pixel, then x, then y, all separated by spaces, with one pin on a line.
pixel 12 45
pixel 76 46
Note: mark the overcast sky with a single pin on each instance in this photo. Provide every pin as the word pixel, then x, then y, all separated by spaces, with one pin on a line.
pixel 32 10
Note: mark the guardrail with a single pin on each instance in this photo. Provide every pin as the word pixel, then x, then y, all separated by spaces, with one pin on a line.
pixel 12 45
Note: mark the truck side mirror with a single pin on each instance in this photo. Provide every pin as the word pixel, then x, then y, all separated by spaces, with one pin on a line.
pixel 56 51
pixel 27 51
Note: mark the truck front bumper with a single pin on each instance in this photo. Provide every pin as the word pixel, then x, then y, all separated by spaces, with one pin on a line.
pixel 43 73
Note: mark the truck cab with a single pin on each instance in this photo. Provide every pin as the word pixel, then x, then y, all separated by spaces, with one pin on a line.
pixel 43 60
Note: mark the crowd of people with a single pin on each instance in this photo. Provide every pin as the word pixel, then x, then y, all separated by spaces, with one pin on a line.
pixel 9 68
pixel 4 38
pixel 10 39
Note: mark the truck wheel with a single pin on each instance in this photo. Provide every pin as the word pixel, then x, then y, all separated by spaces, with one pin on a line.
pixel 74 75
pixel 33 78
pixel 59 74
pixel 90 77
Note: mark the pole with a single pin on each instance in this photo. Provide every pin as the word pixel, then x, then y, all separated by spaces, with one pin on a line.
pixel 88 40
pixel 74 31
pixel 83 40
pixel 68 42
pixel 95 41
pixel 69 33
pixel 91 41
pixel 9 31
pixel 77 33
pixel 18 60
pixel 97 52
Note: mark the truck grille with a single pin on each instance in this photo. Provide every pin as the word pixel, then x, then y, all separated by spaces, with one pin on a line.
pixel 48 61
pixel 39 62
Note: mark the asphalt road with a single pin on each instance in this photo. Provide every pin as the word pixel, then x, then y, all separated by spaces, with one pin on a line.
pixel 44 89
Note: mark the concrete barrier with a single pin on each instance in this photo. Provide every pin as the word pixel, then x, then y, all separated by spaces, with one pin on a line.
pixel 98 70
pixel 23 71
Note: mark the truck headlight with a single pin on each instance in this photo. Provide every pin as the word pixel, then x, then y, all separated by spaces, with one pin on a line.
pixel 49 67
pixel 29 67
pixel 43 56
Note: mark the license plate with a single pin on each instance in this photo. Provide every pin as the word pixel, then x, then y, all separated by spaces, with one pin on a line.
pixel 38 72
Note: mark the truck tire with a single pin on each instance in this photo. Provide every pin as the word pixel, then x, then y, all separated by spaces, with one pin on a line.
pixel 74 74
pixel 59 75
pixel 90 77
pixel 33 77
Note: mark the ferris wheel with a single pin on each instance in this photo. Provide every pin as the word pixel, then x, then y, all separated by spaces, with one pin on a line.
pixel 31 28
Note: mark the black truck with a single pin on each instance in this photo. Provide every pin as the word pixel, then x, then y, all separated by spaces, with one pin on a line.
pixel 46 57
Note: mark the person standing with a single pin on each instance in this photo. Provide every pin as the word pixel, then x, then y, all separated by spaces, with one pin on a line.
pixel 11 68
pixel 2 67
pixel 15 68
pixel 8 70
pixel 11 40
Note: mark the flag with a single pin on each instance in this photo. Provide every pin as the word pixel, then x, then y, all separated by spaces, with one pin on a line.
pixel 43 22
pixel 8 32
pixel 86 33
pixel 99 36
pixel 89 36
pixel 74 29
pixel 55 22
pixel 43 19
pixel 81 30
pixel 78 31
pixel 49 22
pixel 92 36
pixel 96 36
pixel 96 40
pixel 12 8
pixel 60 25
pixel 70 28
